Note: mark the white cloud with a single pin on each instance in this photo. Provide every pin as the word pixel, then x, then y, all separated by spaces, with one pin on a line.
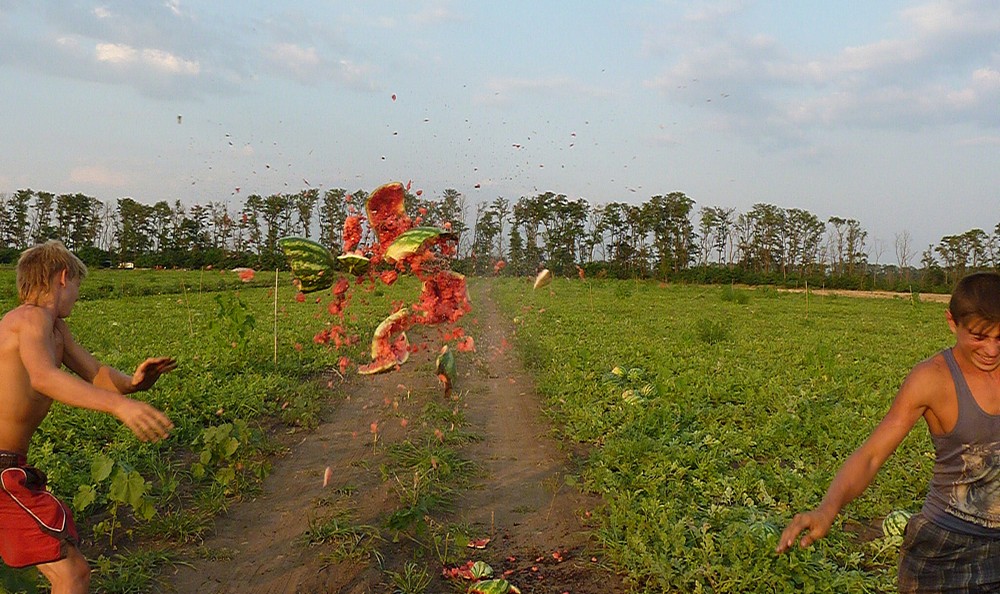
pixel 119 53
pixel 954 17
pixel 97 175
pixel 102 12
pixel 436 13
pixel 115 53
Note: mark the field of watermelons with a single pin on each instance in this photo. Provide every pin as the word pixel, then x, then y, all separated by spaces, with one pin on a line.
pixel 709 415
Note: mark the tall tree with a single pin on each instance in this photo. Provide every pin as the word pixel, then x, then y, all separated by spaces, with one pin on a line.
pixel 305 204
pixel 673 232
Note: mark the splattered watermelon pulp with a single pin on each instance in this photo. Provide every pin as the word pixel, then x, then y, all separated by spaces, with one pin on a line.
pixel 387 213
pixel 390 347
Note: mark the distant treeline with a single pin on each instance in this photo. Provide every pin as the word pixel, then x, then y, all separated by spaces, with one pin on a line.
pixel 665 237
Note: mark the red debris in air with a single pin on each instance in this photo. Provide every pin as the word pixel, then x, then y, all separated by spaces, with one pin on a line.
pixel 352 232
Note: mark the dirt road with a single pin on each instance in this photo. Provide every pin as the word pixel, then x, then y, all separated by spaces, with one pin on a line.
pixel 537 525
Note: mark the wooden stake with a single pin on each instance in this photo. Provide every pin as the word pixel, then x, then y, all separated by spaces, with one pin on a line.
pixel 276 317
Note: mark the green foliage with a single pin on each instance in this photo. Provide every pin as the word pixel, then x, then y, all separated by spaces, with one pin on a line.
pixel 233 320
pixel 743 432
pixel 414 579
pixel 733 295
pixel 711 331
pixel 124 487
pixel 134 573
pixel 219 445
pixel 18 581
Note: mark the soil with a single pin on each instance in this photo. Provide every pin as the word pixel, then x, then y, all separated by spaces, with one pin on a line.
pixel 539 527
pixel 928 297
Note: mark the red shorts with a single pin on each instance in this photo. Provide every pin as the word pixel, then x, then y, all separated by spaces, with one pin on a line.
pixel 35 527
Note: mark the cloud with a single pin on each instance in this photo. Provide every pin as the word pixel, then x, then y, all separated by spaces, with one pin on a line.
pixel 155 48
pixel 97 175
pixel 306 65
pixel 436 13
pixel 942 68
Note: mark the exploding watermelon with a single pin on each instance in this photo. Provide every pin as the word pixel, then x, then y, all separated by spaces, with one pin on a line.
pixel 313 266
pixel 387 213
pixel 390 346
pixel 412 240
pixel 443 298
pixel 353 263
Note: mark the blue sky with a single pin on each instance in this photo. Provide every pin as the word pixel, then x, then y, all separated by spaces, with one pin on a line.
pixel 885 112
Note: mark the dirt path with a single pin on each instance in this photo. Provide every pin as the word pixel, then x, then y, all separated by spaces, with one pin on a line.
pixel 520 500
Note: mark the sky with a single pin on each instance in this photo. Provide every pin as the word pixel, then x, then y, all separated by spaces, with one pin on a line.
pixel 886 112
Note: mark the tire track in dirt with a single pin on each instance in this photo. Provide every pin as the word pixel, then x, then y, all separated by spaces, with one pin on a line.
pixel 537 524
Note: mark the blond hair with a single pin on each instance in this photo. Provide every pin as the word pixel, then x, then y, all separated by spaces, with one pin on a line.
pixel 39 265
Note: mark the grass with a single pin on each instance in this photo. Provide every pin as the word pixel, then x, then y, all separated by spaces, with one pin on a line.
pixel 752 417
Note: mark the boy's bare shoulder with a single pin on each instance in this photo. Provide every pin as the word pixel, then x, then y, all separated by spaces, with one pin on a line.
pixel 929 376
pixel 25 316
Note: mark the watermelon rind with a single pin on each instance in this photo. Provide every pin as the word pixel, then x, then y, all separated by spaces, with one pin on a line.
pixel 410 241
pixel 313 266
pixel 894 524
pixel 355 264
pixel 494 586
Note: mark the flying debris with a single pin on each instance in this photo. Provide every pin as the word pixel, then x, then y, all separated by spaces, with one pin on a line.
pixel 444 367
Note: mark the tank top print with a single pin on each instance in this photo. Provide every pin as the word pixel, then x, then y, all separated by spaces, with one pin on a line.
pixel 964 493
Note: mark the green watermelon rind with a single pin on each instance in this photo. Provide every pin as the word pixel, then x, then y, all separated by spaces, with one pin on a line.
pixel 410 241
pixel 313 266
pixel 894 524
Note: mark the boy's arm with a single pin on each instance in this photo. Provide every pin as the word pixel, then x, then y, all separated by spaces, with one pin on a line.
pixel 38 356
pixel 84 364
pixel 861 466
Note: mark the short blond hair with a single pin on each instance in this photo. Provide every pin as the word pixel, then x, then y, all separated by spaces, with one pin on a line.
pixel 38 266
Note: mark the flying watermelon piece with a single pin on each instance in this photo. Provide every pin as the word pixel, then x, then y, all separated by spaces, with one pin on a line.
pixel 413 240
pixel 353 263
pixel 390 347
pixel 387 213
pixel 443 298
pixel 544 277
pixel 313 266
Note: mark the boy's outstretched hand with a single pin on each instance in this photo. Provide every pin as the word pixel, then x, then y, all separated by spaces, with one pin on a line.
pixel 150 370
pixel 148 423
pixel 815 523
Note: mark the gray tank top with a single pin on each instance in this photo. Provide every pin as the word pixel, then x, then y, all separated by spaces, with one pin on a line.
pixel 964 493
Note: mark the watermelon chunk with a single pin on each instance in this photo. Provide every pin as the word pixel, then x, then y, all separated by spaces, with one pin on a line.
pixel 387 213
pixel 390 347
pixel 313 266
pixel 412 241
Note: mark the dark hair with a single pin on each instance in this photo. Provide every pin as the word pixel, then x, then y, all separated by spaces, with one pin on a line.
pixel 976 298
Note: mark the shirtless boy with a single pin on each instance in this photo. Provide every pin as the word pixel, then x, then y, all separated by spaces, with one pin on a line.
pixel 953 544
pixel 35 343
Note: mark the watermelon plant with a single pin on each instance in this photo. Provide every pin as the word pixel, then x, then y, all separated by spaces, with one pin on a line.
pixel 742 432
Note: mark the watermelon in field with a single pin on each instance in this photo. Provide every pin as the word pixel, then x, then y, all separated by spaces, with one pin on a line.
pixel 313 266
pixel 895 523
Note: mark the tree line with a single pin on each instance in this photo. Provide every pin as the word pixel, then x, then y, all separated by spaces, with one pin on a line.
pixel 665 237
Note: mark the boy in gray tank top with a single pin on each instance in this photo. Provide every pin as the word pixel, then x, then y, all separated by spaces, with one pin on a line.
pixel 953 545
